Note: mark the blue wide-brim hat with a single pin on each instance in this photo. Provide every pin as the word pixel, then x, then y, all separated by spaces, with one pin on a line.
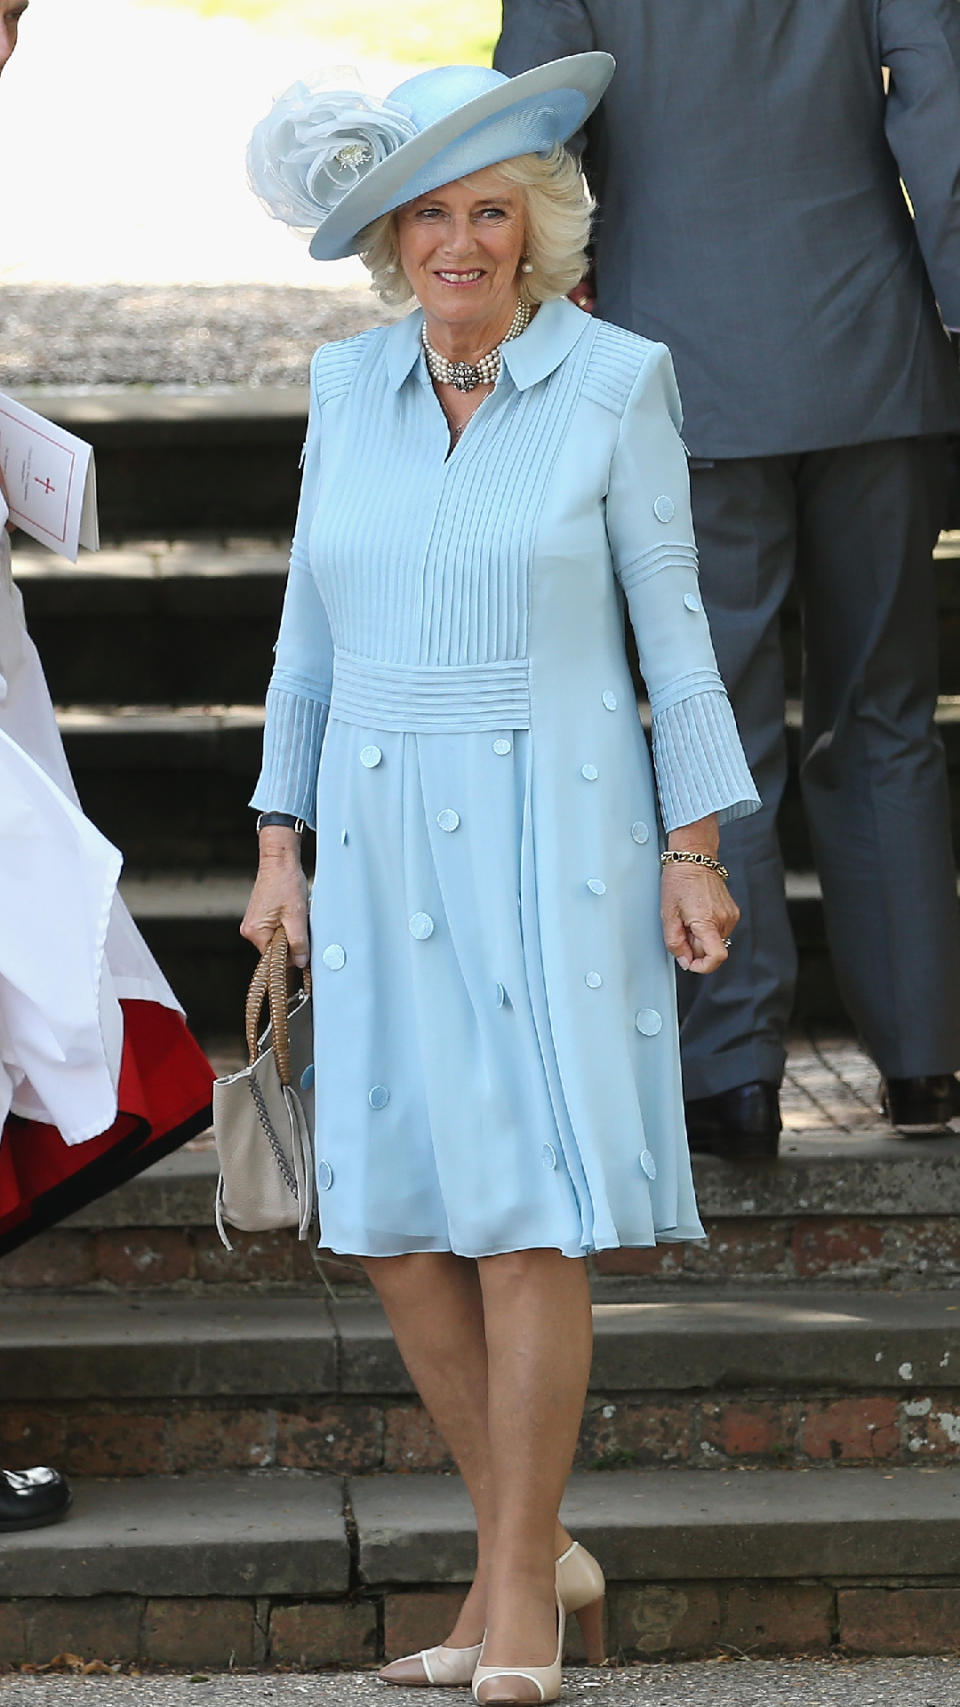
pixel 331 161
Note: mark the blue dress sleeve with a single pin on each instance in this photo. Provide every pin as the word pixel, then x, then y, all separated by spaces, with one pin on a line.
pixel 698 758
pixel 298 697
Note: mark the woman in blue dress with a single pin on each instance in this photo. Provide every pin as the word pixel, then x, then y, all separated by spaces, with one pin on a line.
pixel 503 879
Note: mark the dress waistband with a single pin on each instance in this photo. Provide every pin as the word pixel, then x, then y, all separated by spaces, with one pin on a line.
pixel 419 698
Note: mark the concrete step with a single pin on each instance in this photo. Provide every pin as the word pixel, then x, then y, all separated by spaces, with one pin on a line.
pixel 228 1535
pixel 157 622
pixel 165 620
pixel 170 785
pixel 126 1385
pixel 652 1527
pixel 195 460
pixel 847 1201
pixel 199 460
pixel 271 1569
pixel 192 924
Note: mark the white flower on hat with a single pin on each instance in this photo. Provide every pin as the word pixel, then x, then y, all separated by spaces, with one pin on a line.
pixel 315 144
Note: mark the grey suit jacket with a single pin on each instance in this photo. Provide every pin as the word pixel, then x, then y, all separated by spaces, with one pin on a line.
pixel 748 166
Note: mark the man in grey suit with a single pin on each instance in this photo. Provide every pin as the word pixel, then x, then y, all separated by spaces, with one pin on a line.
pixel 747 163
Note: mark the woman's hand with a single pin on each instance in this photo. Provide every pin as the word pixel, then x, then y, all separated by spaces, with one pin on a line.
pixel 696 907
pixel 584 294
pixel 279 895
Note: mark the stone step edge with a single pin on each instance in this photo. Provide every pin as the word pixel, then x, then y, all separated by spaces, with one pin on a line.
pixel 170 1347
pixel 293 1534
pixel 105 407
pixel 828 1174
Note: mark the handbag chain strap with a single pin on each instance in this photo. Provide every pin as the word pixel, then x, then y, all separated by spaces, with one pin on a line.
pixel 286 1171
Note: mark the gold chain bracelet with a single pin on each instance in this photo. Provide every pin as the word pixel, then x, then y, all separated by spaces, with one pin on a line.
pixel 680 856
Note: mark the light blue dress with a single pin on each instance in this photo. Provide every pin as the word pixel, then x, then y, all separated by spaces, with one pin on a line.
pixel 497 1063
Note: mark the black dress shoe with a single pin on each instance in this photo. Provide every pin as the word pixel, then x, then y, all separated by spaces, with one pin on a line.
pixel 920 1108
pixel 742 1123
pixel 31 1498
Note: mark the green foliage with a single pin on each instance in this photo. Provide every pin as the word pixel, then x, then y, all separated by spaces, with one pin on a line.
pixel 416 31
pixel 618 1458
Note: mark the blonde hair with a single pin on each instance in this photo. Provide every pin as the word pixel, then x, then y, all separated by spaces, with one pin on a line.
pixel 557 211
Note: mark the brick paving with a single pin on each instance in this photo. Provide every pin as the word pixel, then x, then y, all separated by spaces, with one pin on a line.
pixel 830 1085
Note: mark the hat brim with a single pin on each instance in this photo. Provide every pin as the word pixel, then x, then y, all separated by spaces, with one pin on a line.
pixel 527 114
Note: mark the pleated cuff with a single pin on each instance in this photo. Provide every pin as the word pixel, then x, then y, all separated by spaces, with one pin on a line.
pixel 699 762
pixel 292 739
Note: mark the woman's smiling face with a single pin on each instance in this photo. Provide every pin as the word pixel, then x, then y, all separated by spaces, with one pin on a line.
pixel 460 247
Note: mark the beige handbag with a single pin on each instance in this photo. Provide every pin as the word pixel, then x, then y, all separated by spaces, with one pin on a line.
pixel 263 1116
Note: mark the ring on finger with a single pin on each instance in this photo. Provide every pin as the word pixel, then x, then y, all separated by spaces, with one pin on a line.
pixel 728 942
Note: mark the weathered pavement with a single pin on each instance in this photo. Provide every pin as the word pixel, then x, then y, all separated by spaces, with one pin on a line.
pixel 736 1683
pixel 177 336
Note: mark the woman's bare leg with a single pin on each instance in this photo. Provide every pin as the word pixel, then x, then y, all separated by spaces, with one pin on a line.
pixel 539 1336
pixel 435 1307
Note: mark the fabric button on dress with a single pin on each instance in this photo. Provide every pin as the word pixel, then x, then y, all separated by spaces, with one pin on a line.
pixel 692 602
pixel 593 980
pixel 648 1164
pixel 501 995
pixel 421 926
pixel 502 746
pixel 324 1176
pixel 343 838
pixel 610 700
pixel 639 832
pixel 379 1096
pixel 589 772
pixel 334 956
pixel 448 819
pixel 548 1156
pixel 596 886
pixel 664 508
pixel 370 757
pixel 648 1022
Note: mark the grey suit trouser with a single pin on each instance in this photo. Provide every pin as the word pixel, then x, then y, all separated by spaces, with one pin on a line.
pixel 855 528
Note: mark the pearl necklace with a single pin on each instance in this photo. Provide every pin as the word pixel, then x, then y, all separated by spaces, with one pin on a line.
pixel 466 376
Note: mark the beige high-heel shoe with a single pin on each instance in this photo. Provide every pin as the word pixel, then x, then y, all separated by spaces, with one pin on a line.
pixel 439 1668
pixel 581 1587
pixel 545 1679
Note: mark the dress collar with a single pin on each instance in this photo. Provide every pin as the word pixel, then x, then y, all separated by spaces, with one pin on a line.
pixel 550 336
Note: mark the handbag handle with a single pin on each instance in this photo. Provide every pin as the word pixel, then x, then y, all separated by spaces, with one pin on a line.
pixel 269 982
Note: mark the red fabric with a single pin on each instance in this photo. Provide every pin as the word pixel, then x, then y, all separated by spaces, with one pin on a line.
pixel 163 1099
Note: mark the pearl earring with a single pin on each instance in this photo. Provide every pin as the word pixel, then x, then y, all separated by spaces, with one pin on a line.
pixel 391 267
pixel 527 267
